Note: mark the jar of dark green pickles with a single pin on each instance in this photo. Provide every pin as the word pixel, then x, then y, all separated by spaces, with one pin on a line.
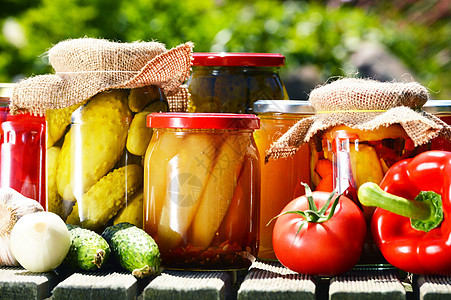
pixel 232 82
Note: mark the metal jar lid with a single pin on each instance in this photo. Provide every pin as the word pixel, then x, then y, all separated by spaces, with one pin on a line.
pixel 437 107
pixel 284 107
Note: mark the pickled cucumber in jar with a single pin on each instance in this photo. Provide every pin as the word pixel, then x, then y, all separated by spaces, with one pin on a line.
pixel 95 153
pixel 232 82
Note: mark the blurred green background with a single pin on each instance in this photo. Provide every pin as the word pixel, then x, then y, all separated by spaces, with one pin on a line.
pixel 386 40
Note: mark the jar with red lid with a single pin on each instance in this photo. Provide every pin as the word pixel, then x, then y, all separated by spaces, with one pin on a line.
pixel 202 189
pixel 22 158
pixel 232 82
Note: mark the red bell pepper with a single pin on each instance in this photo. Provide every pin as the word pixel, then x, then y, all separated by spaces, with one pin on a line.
pixel 414 235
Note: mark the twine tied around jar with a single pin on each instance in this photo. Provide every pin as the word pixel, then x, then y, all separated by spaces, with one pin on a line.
pixel 85 67
pixel 363 104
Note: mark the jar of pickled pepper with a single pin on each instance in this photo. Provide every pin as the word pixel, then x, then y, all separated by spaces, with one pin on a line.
pixel 202 189
pixel 280 179
pixel 360 129
pixel 22 158
pixel 232 82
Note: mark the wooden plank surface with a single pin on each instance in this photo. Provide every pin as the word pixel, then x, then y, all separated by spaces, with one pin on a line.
pixel 270 280
pixel 434 287
pixel 18 283
pixel 367 285
pixel 264 280
pixel 186 285
pixel 97 286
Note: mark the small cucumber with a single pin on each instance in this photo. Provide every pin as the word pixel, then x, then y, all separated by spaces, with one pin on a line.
pixel 134 249
pixel 88 250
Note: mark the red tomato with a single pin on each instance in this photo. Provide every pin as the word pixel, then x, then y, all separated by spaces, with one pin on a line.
pixel 328 248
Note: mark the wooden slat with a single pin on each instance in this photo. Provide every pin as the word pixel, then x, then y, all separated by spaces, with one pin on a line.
pixel 97 286
pixel 188 285
pixel 271 280
pixel 366 285
pixel 434 287
pixel 18 283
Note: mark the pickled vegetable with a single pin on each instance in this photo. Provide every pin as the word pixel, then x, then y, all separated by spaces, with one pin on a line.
pixel 57 122
pixel 139 134
pixel 218 192
pixel 94 143
pixel 132 212
pixel 105 198
pixel 188 174
pixel 54 200
pixel 140 97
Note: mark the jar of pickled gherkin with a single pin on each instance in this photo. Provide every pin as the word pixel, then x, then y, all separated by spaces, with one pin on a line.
pixel 94 157
pixel 280 179
pixel 202 189
pixel 232 82
pixel 442 110
pixel 22 158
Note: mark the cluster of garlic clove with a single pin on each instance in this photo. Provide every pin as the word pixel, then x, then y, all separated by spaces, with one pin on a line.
pixel 13 206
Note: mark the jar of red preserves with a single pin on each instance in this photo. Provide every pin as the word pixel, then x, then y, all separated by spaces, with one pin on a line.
pixel 22 150
pixel 232 82
pixel 202 189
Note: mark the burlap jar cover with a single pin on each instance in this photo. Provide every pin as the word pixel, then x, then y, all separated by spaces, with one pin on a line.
pixel 365 105
pixel 85 67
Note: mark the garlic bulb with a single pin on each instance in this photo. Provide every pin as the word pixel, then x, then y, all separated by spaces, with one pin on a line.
pixel 40 241
pixel 13 206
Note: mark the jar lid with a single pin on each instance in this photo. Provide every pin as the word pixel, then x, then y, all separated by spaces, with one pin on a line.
pixel 203 121
pixel 6 89
pixel 437 106
pixel 284 106
pixel 238 59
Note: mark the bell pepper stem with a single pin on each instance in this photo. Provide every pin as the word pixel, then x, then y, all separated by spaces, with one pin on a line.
pixel 425 211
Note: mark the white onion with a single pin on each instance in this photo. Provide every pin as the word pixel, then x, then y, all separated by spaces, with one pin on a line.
pixel 40 241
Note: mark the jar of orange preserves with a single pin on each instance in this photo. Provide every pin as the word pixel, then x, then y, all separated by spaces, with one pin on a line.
pixel 202 189
pixel 280 179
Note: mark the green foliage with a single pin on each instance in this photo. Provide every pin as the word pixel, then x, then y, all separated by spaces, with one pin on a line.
pixel 306 32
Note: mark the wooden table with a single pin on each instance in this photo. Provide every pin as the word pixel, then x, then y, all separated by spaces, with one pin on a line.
pixel 263 280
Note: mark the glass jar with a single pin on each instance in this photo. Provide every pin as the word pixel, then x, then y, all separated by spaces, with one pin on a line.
pixel 280 179
pixel 441 109
pixel 344 158
pixel 202 190
pixel 94 157
pixel 232 82
pixel 22 158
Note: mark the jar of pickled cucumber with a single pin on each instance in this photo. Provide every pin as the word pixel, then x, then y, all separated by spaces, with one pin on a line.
pixel 202 189
pixel 94 157
pixel 232 82
pixel 22 157
pixel 280 179
pixel 441 109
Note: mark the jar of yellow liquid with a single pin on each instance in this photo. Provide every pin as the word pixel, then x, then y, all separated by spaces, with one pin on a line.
pixel 280 179
pixel 202 189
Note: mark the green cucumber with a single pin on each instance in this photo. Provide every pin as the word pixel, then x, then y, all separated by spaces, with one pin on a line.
pixel 134 249
pixel 88 250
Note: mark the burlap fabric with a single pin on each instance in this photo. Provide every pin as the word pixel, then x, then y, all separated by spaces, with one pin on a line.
pixel 366 105
pixel 85 67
